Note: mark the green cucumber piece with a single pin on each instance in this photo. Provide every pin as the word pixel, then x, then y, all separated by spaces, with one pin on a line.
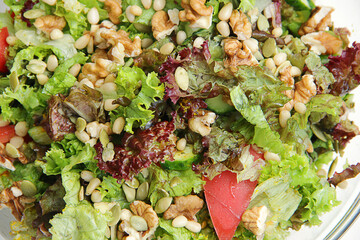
pixel 39 135
pixel 218 105
pixel 183 160
pixel 301 4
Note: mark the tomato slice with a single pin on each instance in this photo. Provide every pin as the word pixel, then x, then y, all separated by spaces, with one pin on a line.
pixel 227 200
pixel 6 133
pixel 3 49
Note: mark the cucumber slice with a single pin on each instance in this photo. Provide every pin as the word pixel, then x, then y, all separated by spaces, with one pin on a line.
pixel 218 105
pixel 183 160
pixel 301 4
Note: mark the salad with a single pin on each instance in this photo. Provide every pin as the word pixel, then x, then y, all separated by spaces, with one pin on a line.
pixel 172 119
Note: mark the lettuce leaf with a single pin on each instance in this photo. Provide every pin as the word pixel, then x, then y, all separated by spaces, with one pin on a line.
pixel 23 104
pixel 78 222
pixel 246 5
pixel 175 233
pixel 138 112
pixel 66 154
pixel 160 179
pixel 71 182
pixel 62 80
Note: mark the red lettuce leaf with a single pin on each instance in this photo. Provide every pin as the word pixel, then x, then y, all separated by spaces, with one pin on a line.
pixel 346 70
pixel 344 132
pixel 137 151
pixel 348 173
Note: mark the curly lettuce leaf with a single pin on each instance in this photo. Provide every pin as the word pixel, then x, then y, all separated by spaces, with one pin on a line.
pixel 129 80
pixel 78 222
pixel 66 154
pixel 174 233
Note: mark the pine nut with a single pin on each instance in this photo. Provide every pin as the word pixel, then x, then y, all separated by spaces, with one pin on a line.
pixel 135 10
pixel 159 4
pixel 93 129
pixel 167 48
pixel 343 184
pixel 300 107
pixel 96 196
pixel 225 12
pixel 129 15
pixel 252 44
pixel 3 122
pixel 90 46
pixel 75 69
pixel 50 2
pixel 181 144
pixel 21 129
pixel 146 3
pixel 193 226
pixel 109 106
pixel 56 34
pixel 180 37
pixel 93 184
pixel 277 32
pixel 82 42
pixel 146 42
pixel 16 191
pixel 93 16
pixel 86 175
pixel 271 156
pixel 81 193
pixel 163 204
pixel 270 64
pixel 284 117
pixel 179 221
pixel 11 40
pixel 182 78
pixel 321 172
pixel 52 63
pixel 109 88
pixel 280 58
pixel 99 83
pixel 223 28
pixel 295 71
pixel 118 125
pixel 110 78
pixel 82 136
pixel 42 79
pixel 86 82
pixel 198 42
pixel 17 141
pixel 36 66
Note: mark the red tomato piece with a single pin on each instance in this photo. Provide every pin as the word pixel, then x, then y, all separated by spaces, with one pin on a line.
pixel 3 49
pixel 6 133
pixel 227 200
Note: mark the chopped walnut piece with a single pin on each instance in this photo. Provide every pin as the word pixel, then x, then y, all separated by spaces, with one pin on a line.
pixel 162 26
pixel 323 43
pixel 114 9
pixel 132 48
pixel 145 211
pixel 288 80
pixel 237 54
pixel 319 20
pixel 240 25
pixel 195 12
pixel 16 204
pixel 187 206
pixel 201 124
pixel 254 220
pixel 101 68
pixel 49 22
pixel 305 89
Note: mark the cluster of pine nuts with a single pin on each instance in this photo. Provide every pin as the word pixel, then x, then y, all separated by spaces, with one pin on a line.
pixel 21 130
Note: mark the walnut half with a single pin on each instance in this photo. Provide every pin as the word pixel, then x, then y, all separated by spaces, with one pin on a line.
pixel 320 20
pixel 237 54
pixel 162 26
pixel 240 25
pixel 254 220
pixel 187 206
pixel 49 23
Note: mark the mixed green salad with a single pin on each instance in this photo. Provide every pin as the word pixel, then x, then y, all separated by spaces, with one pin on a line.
pixel 172 119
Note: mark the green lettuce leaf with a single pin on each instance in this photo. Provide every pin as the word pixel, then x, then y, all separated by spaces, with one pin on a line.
pixel 246 5
pixel 138 111
pixel 112 191
pixel 66 154
pixel 62 80
pixel 161 179
pixel 79 222
pixel 30 102
pixel 71 182
pixel 221 143
pixel 175 233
